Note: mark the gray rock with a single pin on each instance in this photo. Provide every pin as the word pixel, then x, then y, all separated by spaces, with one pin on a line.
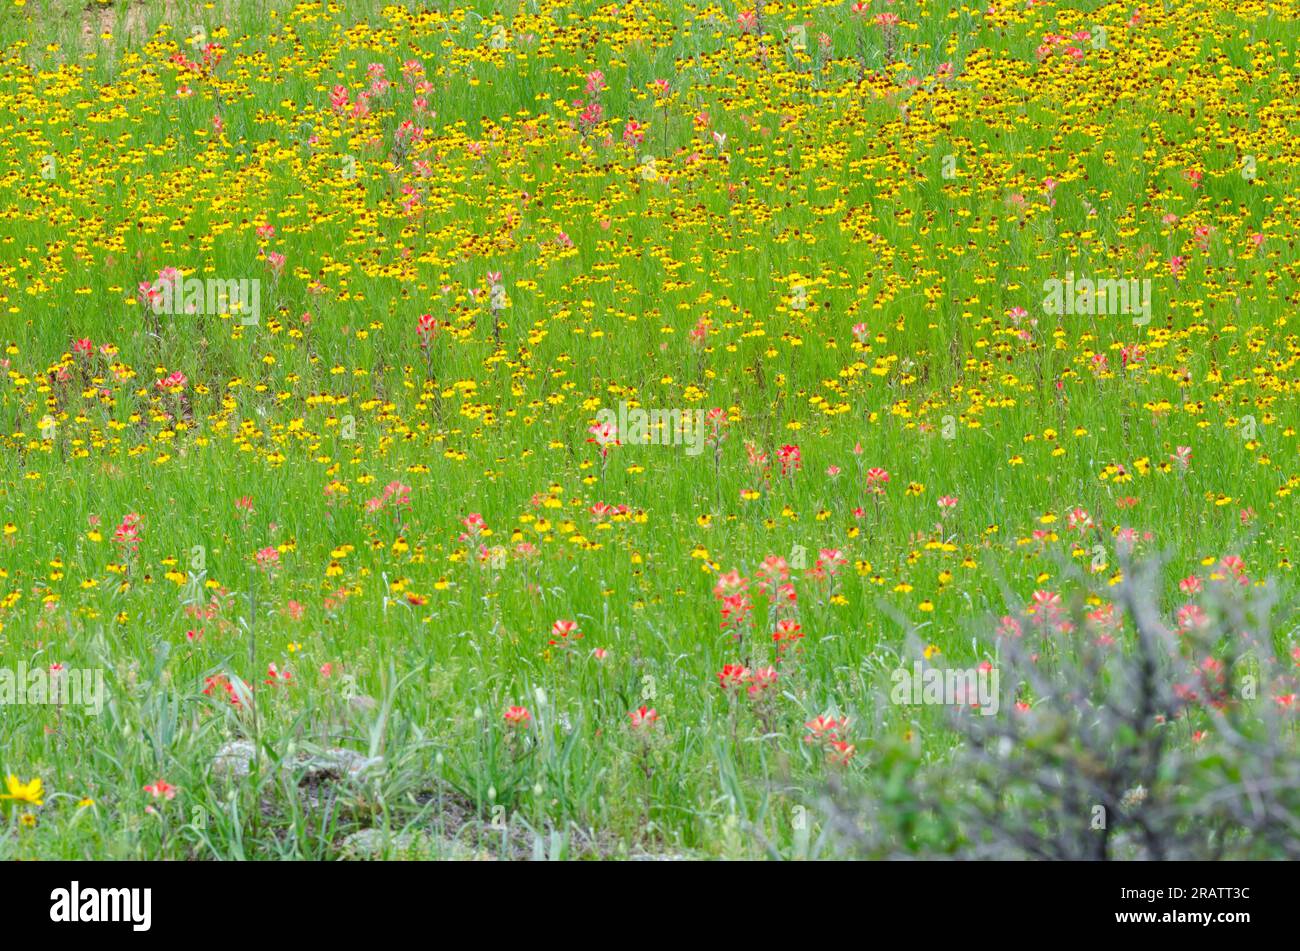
pixel 236 758
pixel 408 846
pixel 660 857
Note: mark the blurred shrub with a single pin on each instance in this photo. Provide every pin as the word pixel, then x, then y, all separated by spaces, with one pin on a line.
pixel 1120 736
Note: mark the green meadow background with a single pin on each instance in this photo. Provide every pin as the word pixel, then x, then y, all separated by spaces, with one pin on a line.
pixel 836 232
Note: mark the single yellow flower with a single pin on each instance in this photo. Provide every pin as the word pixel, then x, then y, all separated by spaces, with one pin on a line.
pixel 19 791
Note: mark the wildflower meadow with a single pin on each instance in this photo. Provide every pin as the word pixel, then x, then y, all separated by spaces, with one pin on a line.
pixel 658 429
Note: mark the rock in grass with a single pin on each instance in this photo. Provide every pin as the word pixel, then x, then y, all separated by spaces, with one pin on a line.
pixel 408 846
pixel 332 763
pixel 659 857
pixel 236 759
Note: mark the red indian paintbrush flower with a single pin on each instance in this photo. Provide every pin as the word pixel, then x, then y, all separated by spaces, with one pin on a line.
pixel 161 789
pixel 563 631
pixel 733 675
pixel 643 718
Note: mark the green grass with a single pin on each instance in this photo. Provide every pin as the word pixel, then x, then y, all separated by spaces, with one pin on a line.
pixel 819 184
